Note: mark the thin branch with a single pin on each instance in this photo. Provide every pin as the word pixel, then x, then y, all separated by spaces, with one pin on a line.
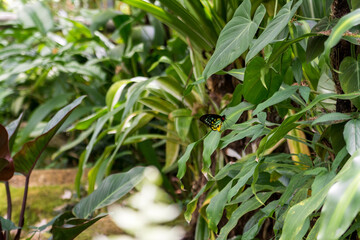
pixel 9 207
pixel 23 206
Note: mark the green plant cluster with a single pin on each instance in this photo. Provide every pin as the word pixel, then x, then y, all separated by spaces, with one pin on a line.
pixel 284 73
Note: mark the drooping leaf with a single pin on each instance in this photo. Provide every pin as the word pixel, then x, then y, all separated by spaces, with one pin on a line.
pixel 331 118
pixel 235 37
pixel 184 158
pixel 26 158
pixel 111 189
pixel 352 135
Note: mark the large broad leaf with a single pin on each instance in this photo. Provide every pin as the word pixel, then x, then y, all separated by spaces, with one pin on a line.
pixel 350 77
pixel 27 157
pixel 342 203
pixel 6 162
pixel 344 24
pixel 67 227
pixel 36 15
pixel 235 38
pixel 352 135
pixel 102 18
pixel 273 29
pixel 258 82
pixel 111 189
pixel 316 9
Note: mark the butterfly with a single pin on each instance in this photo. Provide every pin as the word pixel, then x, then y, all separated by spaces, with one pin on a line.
pixel 214 121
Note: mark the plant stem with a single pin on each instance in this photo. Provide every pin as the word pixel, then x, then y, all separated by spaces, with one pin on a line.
pixel 9 207
pixel 23 206
pixel 1 233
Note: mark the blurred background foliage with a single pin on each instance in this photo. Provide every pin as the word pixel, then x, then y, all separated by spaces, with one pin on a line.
pixel 285 74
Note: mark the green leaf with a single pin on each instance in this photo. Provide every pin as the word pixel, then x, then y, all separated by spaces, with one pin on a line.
pixel 12 129
pixel 41 112
pixel 244 208
pixel 216 207
pixel 115 93
pixel 331 118
pixel 171 148
pixel 184 158
pixel 111 189
pixel 200 42
pixel 300 212
pixel 235 37
pixel 102 18
pixel 344 24
pixel 279 96
pixel 66 227
pixel 352 135
pixel 36 15
pixel 341 205
pixel 211 143
pixel 26 158
pixel 6 162
pixel 350 77
pixel 7 225
pixel 158 104
pixel 273 29
pixel 183 121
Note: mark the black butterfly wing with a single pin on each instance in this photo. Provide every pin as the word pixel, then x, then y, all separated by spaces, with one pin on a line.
pixel 214 121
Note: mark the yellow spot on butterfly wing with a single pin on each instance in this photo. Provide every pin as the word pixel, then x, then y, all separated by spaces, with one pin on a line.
pixel 219 126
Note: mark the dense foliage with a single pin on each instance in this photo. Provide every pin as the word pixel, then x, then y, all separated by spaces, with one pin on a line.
pixel 284 73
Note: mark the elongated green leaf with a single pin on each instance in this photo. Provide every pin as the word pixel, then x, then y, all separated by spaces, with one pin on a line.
pixel 352 135
pixel 41 112
pixel 300 212
pixel 350 77
pixel 244 208
pixel 279 96
pixel 342 203
pixel 289 123
pixel 344 24
pixel 26 158
pixel 273 29
pixel 158 104
pixel 173 22
pixel 111 189
pixel 184 158
pixel 216 207
pixel 235 37
pixel 36 15
pixel 12 129
pixel 211 143
pixel 191 206
pixel 14 50
pixel 331 118
pixel 66 227
pixel 115 92
pixel 171 148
